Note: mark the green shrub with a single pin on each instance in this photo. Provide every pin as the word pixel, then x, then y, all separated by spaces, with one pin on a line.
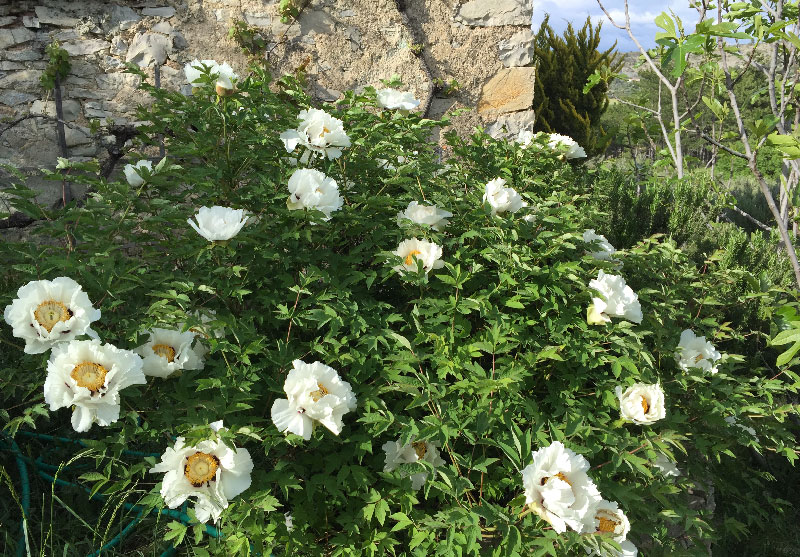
pixel 489 357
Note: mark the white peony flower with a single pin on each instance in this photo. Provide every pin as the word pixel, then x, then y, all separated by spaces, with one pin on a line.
pixel 694 351
pixel 223 73
pixel 641 403
pixel 413 249
pixel 168 351
pixel 316 393
pixel 319 133
pixel 606 250
pixel 608 519
pixel 218 223
pixel 46 312
pixel 502 199
pixel 88 377
pixel 397 454
pixel 131 174
pixel 666 466
pixel 394 99
pixel 210 471
pixel 558 488
pixel 616 300
pixel 627 549
pixel 524 138
pixel 425 214
pixel 311 189
pixel 573 150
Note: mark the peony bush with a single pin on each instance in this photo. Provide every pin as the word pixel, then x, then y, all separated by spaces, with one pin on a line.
pixel 433 357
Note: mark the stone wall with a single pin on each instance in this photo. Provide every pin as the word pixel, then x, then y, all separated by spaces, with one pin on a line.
pixel 485 45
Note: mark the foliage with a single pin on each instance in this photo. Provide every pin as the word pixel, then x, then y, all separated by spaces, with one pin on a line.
pixel 490 357
pixel 249 39
pixel 57 68
pixel 289 10
pixel 563 66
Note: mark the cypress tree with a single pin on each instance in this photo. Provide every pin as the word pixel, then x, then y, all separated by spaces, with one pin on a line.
pixel 564 63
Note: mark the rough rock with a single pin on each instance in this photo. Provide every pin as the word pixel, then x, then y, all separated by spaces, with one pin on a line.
pixel 118 46
pixel 79 136
pixel 509 125
pixel 316 22
pixel 124 17
pixel 71 109
pixel 20 80
pixel 179 42
pixel 165 11
pixel 7 20
pixel 52 16
pixel 509 90
pixel 518 50
pixel 13 98
pixel 21 55
pixel 258 19
pixel 489 13
pixel 31 22
pixel 83 47
pixel 162 27
pixel 17 35
pixel 148 48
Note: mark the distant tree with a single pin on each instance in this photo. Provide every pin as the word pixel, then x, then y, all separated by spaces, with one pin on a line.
pixel 564 63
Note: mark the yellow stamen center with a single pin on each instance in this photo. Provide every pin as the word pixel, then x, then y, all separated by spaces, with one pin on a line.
pixel 319 393
pixel 89 375
pixel 324 131
pixel 698 358
pixel 645 405
pixel 201 468
pixel 410 256
pixel 607 524
pixel 50 312
pixel 165 351
pixel 560 476
pixel 420 447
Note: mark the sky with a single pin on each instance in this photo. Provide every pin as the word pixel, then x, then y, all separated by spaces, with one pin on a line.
pixel 643 12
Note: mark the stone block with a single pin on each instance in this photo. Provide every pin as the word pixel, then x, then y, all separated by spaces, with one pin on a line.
pixel 179 42
pixel 509 90
pixel 517 50
pixel 148 48
pixel 13 98
pixel 85 46
pixel 316 22
pixel 258 19
pixel 77 136
pixel 17 35
pixel 490 13
pixel 509 125
pixel 31 22
pixel 80 93
pixel 165 11
pixel 7 20
pixel 21 55
pixel 119 47
pixel 162 27
pixel 123 16
pixel 52 16
pixel 21 80
pixel 71 109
